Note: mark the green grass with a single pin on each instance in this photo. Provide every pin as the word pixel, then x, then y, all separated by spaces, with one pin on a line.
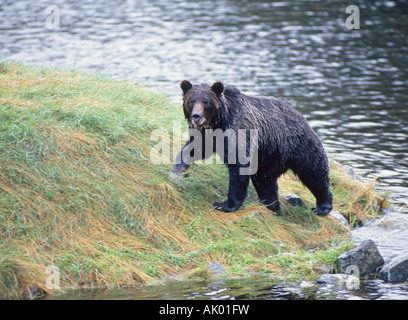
pixel 78 190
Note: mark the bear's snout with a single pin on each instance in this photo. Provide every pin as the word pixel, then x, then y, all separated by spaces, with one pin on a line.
pixel 197 116
pixel 197 119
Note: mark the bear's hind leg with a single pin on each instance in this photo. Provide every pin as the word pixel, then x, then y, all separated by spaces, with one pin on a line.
pixel 266 187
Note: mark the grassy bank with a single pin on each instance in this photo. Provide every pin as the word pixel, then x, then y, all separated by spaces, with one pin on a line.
pixel 78 190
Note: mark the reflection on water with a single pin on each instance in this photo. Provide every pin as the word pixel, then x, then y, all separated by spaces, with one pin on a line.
pixel 262 288
pixel 350 84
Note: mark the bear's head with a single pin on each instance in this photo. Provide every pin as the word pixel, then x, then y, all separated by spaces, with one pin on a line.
pixel 201 103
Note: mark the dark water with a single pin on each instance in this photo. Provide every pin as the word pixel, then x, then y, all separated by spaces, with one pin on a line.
pixel 350 84
pixel 261 288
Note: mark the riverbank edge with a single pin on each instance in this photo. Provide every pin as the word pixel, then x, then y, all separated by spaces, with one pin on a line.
pixel 78 192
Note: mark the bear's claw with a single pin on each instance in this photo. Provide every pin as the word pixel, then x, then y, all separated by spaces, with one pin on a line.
pixel 179 168
pixel 322 210
pixel 223 206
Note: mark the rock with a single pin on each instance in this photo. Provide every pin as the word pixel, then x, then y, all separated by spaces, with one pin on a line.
pixel 348 170
pixel 339 279
pixel 331 278
pixel 294 200
pixel 215 269
pixel 338 216
pixel 305 284
pixel 393 222
pixel 386 222
pixel 351 172
pixel 33 292
pixel 396 270
pixel 366 257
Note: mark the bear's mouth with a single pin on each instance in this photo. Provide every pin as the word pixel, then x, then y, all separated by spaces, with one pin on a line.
pixel 200 125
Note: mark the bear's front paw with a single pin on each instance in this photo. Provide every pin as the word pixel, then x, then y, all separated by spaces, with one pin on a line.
pixel 223 206
pixel 322 209
pixel 180 169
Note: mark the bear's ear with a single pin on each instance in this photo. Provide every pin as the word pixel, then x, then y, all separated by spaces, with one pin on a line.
pixel 218 88
pixel 185 85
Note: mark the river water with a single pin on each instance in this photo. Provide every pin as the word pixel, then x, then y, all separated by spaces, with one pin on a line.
pixel 351 84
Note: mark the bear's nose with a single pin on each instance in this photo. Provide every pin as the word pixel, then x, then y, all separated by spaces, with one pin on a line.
pixel 196 117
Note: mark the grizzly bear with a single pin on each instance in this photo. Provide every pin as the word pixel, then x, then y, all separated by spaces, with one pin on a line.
pixel 284 141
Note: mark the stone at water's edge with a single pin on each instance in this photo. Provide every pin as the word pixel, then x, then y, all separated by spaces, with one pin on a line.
pixel 216 269
pixel 338 216
pixel 366 257
pixel 396 270
pixel 338 279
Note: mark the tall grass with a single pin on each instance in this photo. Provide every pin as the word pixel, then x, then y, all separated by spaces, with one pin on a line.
pixel 78 190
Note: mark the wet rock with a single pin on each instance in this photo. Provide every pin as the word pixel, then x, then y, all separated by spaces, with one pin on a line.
pixel 338 279
pixel 393 222
pixel 33 292
pixel 294 200
pixel 351 172
pixel 386 222
pixel 396 270
pixel 215 269
pixel 338 216
pixel 305 284
pixel 348 170
pixel 365 257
